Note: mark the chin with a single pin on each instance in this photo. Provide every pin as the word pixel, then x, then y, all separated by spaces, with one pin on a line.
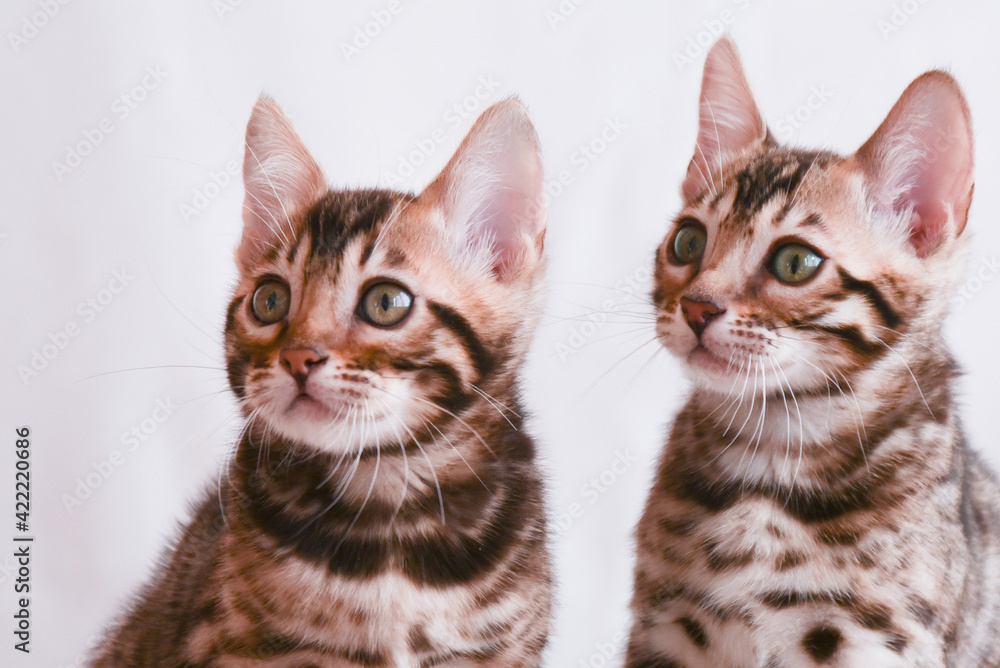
pixel 333 425
pixel 352 433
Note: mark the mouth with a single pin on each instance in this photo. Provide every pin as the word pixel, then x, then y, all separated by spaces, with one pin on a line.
pixel 304 405
pixel 703 358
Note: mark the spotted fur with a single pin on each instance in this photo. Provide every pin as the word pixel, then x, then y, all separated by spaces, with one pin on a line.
pixel 817 504
pixel 382 507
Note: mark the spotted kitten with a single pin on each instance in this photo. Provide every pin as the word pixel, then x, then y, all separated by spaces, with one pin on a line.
pixel 817 503
pixel 383 507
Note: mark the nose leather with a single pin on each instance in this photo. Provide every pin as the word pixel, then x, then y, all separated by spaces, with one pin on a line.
pixel 699 314
pixel 300 362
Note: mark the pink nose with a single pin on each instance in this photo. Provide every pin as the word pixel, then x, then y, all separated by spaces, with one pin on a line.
pixel 699 314
pixel 300 362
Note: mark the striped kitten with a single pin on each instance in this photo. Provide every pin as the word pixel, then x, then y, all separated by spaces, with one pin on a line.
pixel 383 506
pixel 817 503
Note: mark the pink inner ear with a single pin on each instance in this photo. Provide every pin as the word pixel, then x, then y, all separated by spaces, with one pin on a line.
pixel 920 161
pixel 508 223
pixel 728 118
pixel 491 191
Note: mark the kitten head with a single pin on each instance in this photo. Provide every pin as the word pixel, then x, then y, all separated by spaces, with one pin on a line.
pixel 800 268
pixel 361 316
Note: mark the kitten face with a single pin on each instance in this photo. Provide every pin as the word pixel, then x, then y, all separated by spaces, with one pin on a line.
pixel 761 294
pixel 790 270
pixel 365 315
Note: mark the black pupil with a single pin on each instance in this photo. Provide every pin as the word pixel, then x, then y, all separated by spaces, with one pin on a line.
pixel 795 263
pixel 692 245
pixel 385 302
pixel 689 245
pixel 272 300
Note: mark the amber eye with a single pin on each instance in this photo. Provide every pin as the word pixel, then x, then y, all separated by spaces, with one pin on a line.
pixel 689 242
pixel 795 263
pixel 385 304
pixel 271 301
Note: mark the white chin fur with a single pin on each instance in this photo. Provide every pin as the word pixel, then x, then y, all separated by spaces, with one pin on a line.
pixel 337 422
pixel 729 373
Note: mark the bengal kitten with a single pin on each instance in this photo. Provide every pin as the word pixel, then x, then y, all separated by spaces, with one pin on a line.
pixel 383 505
pixel 817 503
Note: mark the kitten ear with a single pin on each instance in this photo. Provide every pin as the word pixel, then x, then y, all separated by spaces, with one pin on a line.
pixel 280 178
pixel 728 118
pixel 491 193
pixel 919 163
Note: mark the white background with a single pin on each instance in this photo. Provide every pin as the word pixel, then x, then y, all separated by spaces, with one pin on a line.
pixel 120 209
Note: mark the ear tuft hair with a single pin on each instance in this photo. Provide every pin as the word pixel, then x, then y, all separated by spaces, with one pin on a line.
pixel 918 165
pixel 729 121
pixel 280 179
pixel 491 193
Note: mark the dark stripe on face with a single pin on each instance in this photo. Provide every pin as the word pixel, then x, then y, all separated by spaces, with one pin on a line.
pixel 853 337
pixel 812 220
pixel 451 397
pixel 460 327
pixel 236 366
pixel 231 313
pixel 294 249
pixel 395 257
pixel 342 216
pixel 718 198
pixel 775 173
pixel 366 254
pixel 872 294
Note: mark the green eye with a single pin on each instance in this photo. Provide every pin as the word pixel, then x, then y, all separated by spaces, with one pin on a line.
pixel 385 304
pixel 689 243
pixel 270 301
pixel 795 263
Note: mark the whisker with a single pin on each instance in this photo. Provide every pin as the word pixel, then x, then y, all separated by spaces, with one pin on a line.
pixel 912 375
pixel 612 368
pixel 150 368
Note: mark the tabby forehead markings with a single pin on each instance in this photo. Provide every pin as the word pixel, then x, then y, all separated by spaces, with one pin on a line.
pixel 340 217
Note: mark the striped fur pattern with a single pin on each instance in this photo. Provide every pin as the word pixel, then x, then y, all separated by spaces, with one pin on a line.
pixel 383 507
pixel 817 504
